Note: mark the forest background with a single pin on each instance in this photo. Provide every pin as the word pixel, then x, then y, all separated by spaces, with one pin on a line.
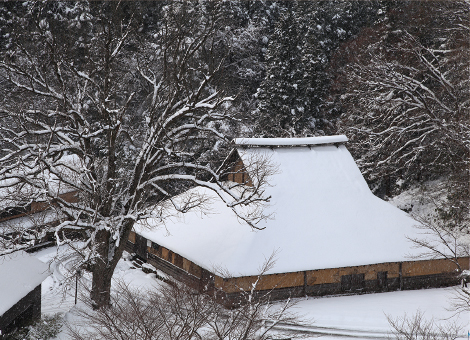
pixel 391 75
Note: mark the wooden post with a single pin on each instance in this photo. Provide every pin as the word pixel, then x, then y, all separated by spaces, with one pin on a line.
pixel 400 274
pixel 305 282
pixel 76 284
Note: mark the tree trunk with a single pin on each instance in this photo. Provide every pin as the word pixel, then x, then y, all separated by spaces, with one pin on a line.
pixel 102 272
pixel 104 266
pixel 101 285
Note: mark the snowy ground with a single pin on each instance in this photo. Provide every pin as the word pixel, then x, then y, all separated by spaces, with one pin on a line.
pixel 57 298
pixel 358 316
pixel 365 316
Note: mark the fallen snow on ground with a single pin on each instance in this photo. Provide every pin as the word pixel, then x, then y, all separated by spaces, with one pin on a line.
pixel 58 297
pixel 421 201
pixel 361 316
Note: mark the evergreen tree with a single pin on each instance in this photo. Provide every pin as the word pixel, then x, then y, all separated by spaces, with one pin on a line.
pixel 294 96
pixel 328 25
pixel 281 108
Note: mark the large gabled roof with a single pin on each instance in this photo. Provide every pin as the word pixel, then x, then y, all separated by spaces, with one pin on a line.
pixel 324 216
pixel 20 273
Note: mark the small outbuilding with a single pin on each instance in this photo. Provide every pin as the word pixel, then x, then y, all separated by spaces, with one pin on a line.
pixel 330 233
pixel 21 276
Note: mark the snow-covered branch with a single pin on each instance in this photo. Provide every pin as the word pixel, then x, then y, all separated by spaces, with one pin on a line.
pixel 408 108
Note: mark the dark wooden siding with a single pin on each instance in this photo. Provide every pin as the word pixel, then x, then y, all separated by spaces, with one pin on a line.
pixel 140 247
pixel 24 311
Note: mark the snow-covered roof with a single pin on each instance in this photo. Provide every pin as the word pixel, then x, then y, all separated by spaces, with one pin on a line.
pixel 29 221
pixel 324 216
pixel 290 141
pixel 14 195
pixel 20 273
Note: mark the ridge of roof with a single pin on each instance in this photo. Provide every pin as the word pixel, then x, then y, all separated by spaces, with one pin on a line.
pixel 305 141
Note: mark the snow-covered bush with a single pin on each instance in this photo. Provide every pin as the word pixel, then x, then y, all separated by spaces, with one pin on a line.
pixel 417 327
pixel 178 312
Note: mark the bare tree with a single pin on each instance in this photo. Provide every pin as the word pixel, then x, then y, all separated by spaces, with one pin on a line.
pixel 442 242
pixel 460 302
pixel 407 117
pixel 442 238
pixel 177 312
pixel 406 98
pixel 118 116
pixel 418 328
pixel 408 114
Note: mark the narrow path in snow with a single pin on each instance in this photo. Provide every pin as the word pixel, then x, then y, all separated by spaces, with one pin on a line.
pixel 337 333
pixel 57 297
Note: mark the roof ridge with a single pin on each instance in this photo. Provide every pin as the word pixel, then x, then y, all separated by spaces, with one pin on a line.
pixel 303 141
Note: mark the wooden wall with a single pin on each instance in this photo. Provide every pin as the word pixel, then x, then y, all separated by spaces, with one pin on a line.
pixel 174 264
pixel 344 280
pixel 175 259
pixel 430 267
pixel 237 173
pixel 394 271
pixel 71 197
pixel 36 207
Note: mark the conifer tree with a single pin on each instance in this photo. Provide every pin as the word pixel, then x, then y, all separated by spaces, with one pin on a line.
pixel 328 24
pixel 281 106
pixel 293 98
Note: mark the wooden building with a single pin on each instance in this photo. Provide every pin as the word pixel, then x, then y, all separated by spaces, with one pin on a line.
pixel 26 208
pixel 331 235
pixel 33 225
pixel 21 276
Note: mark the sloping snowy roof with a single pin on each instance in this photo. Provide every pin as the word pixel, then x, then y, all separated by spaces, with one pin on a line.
pixel 28 221
pixel 13 195
pixel 20 273
pixel 325 216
